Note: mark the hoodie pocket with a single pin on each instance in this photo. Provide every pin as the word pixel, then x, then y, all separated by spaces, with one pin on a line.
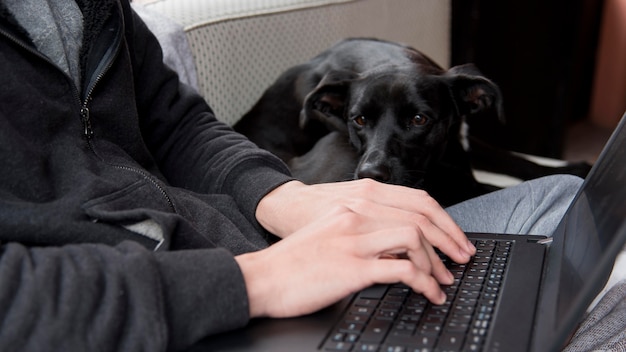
pixel 137 208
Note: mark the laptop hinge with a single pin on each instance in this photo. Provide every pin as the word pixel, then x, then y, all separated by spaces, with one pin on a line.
pixel 539 239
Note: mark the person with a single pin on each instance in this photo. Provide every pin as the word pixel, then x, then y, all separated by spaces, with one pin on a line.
pixel 132 219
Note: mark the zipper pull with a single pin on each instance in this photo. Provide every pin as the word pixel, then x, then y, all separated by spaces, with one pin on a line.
pixel 84 117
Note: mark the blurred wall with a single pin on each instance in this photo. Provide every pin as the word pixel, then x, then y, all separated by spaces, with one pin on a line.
pixel 608 101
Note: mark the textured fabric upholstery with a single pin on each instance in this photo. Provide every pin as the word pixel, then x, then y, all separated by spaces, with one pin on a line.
pixel 240 47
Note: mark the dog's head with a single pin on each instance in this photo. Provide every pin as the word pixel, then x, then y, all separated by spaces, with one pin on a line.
pixel 400 119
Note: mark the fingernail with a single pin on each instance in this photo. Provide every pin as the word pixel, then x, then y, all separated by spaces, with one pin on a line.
pixel 464 254
pixel 442 297
pixel 450 277
pixel 471 247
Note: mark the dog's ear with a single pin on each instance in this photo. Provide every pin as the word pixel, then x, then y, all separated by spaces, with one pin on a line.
pixel 326 102
pixel 473 92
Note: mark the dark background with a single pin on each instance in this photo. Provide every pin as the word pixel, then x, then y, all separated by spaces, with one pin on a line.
pixel 541 54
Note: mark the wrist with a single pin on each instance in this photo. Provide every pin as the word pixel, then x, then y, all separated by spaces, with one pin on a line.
pixel 272 210
pixel 256 286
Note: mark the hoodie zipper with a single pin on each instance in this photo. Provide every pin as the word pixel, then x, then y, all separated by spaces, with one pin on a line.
pixel 88 132
pixel 84 111
pixel 85 115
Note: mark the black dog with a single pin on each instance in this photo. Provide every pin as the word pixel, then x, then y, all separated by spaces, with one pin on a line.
pixel 368 108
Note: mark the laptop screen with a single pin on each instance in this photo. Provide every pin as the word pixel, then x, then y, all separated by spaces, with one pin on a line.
pixel 585 245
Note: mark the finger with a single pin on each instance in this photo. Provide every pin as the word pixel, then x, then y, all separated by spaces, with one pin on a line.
pixel 384 217
pixel 444 221
pixel 435 266
pixel 410 199
pixel 401 270
pixel 393 243
pixel 439 270
pixel 398 203
pixel 406 243
pixel 453 248
pixel 429 208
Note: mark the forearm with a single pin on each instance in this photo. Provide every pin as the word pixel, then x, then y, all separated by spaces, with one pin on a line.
pixel 96 297
pixel 192 148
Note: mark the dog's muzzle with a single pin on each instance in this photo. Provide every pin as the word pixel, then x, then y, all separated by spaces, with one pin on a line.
pixel 374 165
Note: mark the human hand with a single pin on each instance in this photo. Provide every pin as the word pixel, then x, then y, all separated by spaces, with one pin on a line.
pixel 294 205
pixel 338 254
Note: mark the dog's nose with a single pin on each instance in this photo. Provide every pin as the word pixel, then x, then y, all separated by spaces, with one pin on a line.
pixel 377 172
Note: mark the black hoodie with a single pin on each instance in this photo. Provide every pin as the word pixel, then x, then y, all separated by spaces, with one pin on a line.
pixel 80 169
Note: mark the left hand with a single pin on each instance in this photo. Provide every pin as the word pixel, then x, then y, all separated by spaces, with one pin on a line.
pixel 294 205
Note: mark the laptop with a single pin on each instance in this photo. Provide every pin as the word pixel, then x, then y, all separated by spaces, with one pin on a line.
pixel 519 293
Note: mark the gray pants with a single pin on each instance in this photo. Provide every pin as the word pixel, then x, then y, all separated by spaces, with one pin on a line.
pixel 533 207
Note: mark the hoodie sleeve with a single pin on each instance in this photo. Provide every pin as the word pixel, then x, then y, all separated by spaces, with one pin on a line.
pixel 193 149
pixel 93 297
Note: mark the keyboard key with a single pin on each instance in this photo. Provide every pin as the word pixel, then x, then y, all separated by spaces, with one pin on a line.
pixel 363 302
pixel 411 342
pixel 481 259
pixel 469 294
pixel 351 327
pixel 429 329
pixel 410 318
pixel 481 324
pixel 352 338
pixel 361 311
pixel 391 305
pixel 373 292
pixel 434 319
pixel 475 340
pixel 425 341
pixel 399 291
pixel 356 318
pixel 386 314
pixel 394 298
pixel 463 309
pixel 475 279
pixel 471 286
pixel 450 341
pixel 366 347
pixel 337 346
pixel 404 328
pixel 459 327
pixel 375 331
pixel 338 336
pixel 467 301
pixel 461 318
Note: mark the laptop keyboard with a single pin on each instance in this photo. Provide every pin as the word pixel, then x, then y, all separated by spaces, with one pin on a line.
pixel 393 318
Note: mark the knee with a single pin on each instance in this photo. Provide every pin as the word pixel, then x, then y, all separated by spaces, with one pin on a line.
pixel 560 186
pixel 566 181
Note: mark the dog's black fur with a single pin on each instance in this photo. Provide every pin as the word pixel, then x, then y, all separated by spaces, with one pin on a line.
pixel 368 108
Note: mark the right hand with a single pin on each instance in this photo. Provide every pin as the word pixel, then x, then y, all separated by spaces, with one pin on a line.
pixel 339 254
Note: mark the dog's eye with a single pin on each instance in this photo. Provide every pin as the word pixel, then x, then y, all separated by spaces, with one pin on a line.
pixel 418 120
pixel 360 120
